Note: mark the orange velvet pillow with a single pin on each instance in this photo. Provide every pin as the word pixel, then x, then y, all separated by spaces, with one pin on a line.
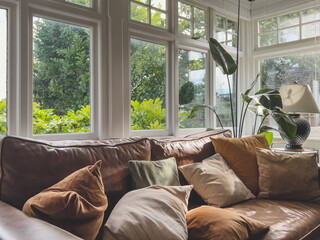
pixel 240 154
pixel 77 203
pixel 211 223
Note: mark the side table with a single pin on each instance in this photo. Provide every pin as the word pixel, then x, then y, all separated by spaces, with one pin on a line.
pixel 306 150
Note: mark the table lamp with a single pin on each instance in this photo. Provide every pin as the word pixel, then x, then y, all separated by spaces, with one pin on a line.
pixel 296 99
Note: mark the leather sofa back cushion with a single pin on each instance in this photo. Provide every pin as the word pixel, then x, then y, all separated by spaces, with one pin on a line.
pixel 193 148
pixel 77 203
pixel 29 166
pixel 240 154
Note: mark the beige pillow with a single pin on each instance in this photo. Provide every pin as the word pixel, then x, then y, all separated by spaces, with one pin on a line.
pixel 155 212
pixel 216 182
pixel 212 223
pixel 77 203
pixel 288 176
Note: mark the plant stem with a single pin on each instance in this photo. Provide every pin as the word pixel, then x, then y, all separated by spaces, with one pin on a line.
pixel 231 106
pixel 244 115
pixel 262 122
pixel 254 125
pixel 236 77
pixel 241 116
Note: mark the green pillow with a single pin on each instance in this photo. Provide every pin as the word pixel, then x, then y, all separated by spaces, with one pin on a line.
pixel 161 172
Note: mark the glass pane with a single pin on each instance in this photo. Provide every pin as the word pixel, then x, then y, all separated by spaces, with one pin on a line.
pixel 223 98
pixel 158 19
pixel 267 39
pixel 221 37
pixel 311 14
pixel 199 30
pixel 184 27
pixel 3 72
pixel 289 20
pixel 199 15
pixel 161 4
pixel 288 69
pixel 139 13
pixel 184 10
pixel 148 85
pixel 232 40
pixel 220 22
pixel 310 30
pixel 268 25
pixel 142 1
pixel 86 3
pixel 232 26
pixel 192 87
pixel 61 77
pixel 289 34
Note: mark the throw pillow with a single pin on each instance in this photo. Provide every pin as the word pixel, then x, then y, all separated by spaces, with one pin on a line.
pixel 240 154
pixel 288 176
pixel 155 212
pixel 210 223
pixel 77 203
pixel 161 172
pixel 215 181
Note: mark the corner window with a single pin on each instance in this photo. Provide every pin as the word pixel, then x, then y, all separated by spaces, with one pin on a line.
pixel 61 77
pixel 289 27
pixel 3 72
pixel 288 69
pixel 226 31
pixel 153 12
pixel 148 85
pixel 192 20
pixel 192 87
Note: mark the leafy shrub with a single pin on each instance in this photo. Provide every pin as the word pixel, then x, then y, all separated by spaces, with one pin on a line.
pixel 3 117
pixel 149 114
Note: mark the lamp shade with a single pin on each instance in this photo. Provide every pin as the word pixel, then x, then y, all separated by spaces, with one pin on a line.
pixel 298 98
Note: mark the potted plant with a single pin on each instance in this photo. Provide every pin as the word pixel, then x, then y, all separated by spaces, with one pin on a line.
pixel 269 100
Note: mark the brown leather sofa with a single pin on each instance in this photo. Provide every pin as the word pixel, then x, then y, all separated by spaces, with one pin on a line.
pixel 30 166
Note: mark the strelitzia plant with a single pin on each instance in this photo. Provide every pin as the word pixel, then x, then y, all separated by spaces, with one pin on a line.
pixel 269 100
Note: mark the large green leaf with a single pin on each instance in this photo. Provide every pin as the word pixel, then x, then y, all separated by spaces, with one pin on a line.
pixel 252 85
pixel 222 58
pixel 200 107
pixel 285 123
pixel 269 98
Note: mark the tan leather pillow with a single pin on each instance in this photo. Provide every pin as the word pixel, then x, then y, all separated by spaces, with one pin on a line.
pixel 288 176
pixel 211 223
pixel 77 203
pixel 240 154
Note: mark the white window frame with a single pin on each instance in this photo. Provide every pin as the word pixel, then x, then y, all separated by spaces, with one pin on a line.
pixel 12 60
pixel 167 12
pixel 168 130
pixel 192 20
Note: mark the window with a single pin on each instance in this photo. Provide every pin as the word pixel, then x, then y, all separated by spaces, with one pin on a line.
pixel 61 77
pixel 289 27
pixel 148 85
pixel 85 3
pixel 192 20
pixel 288 69
pixel 226 31
pixel 223 98
pixel 153 12
pixel 192 86
pixel 3 72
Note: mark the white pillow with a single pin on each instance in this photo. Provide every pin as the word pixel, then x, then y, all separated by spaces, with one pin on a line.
pixel 155 212
pixel 216 182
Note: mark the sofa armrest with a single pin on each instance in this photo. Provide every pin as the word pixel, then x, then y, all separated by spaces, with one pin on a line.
pixel 14 224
